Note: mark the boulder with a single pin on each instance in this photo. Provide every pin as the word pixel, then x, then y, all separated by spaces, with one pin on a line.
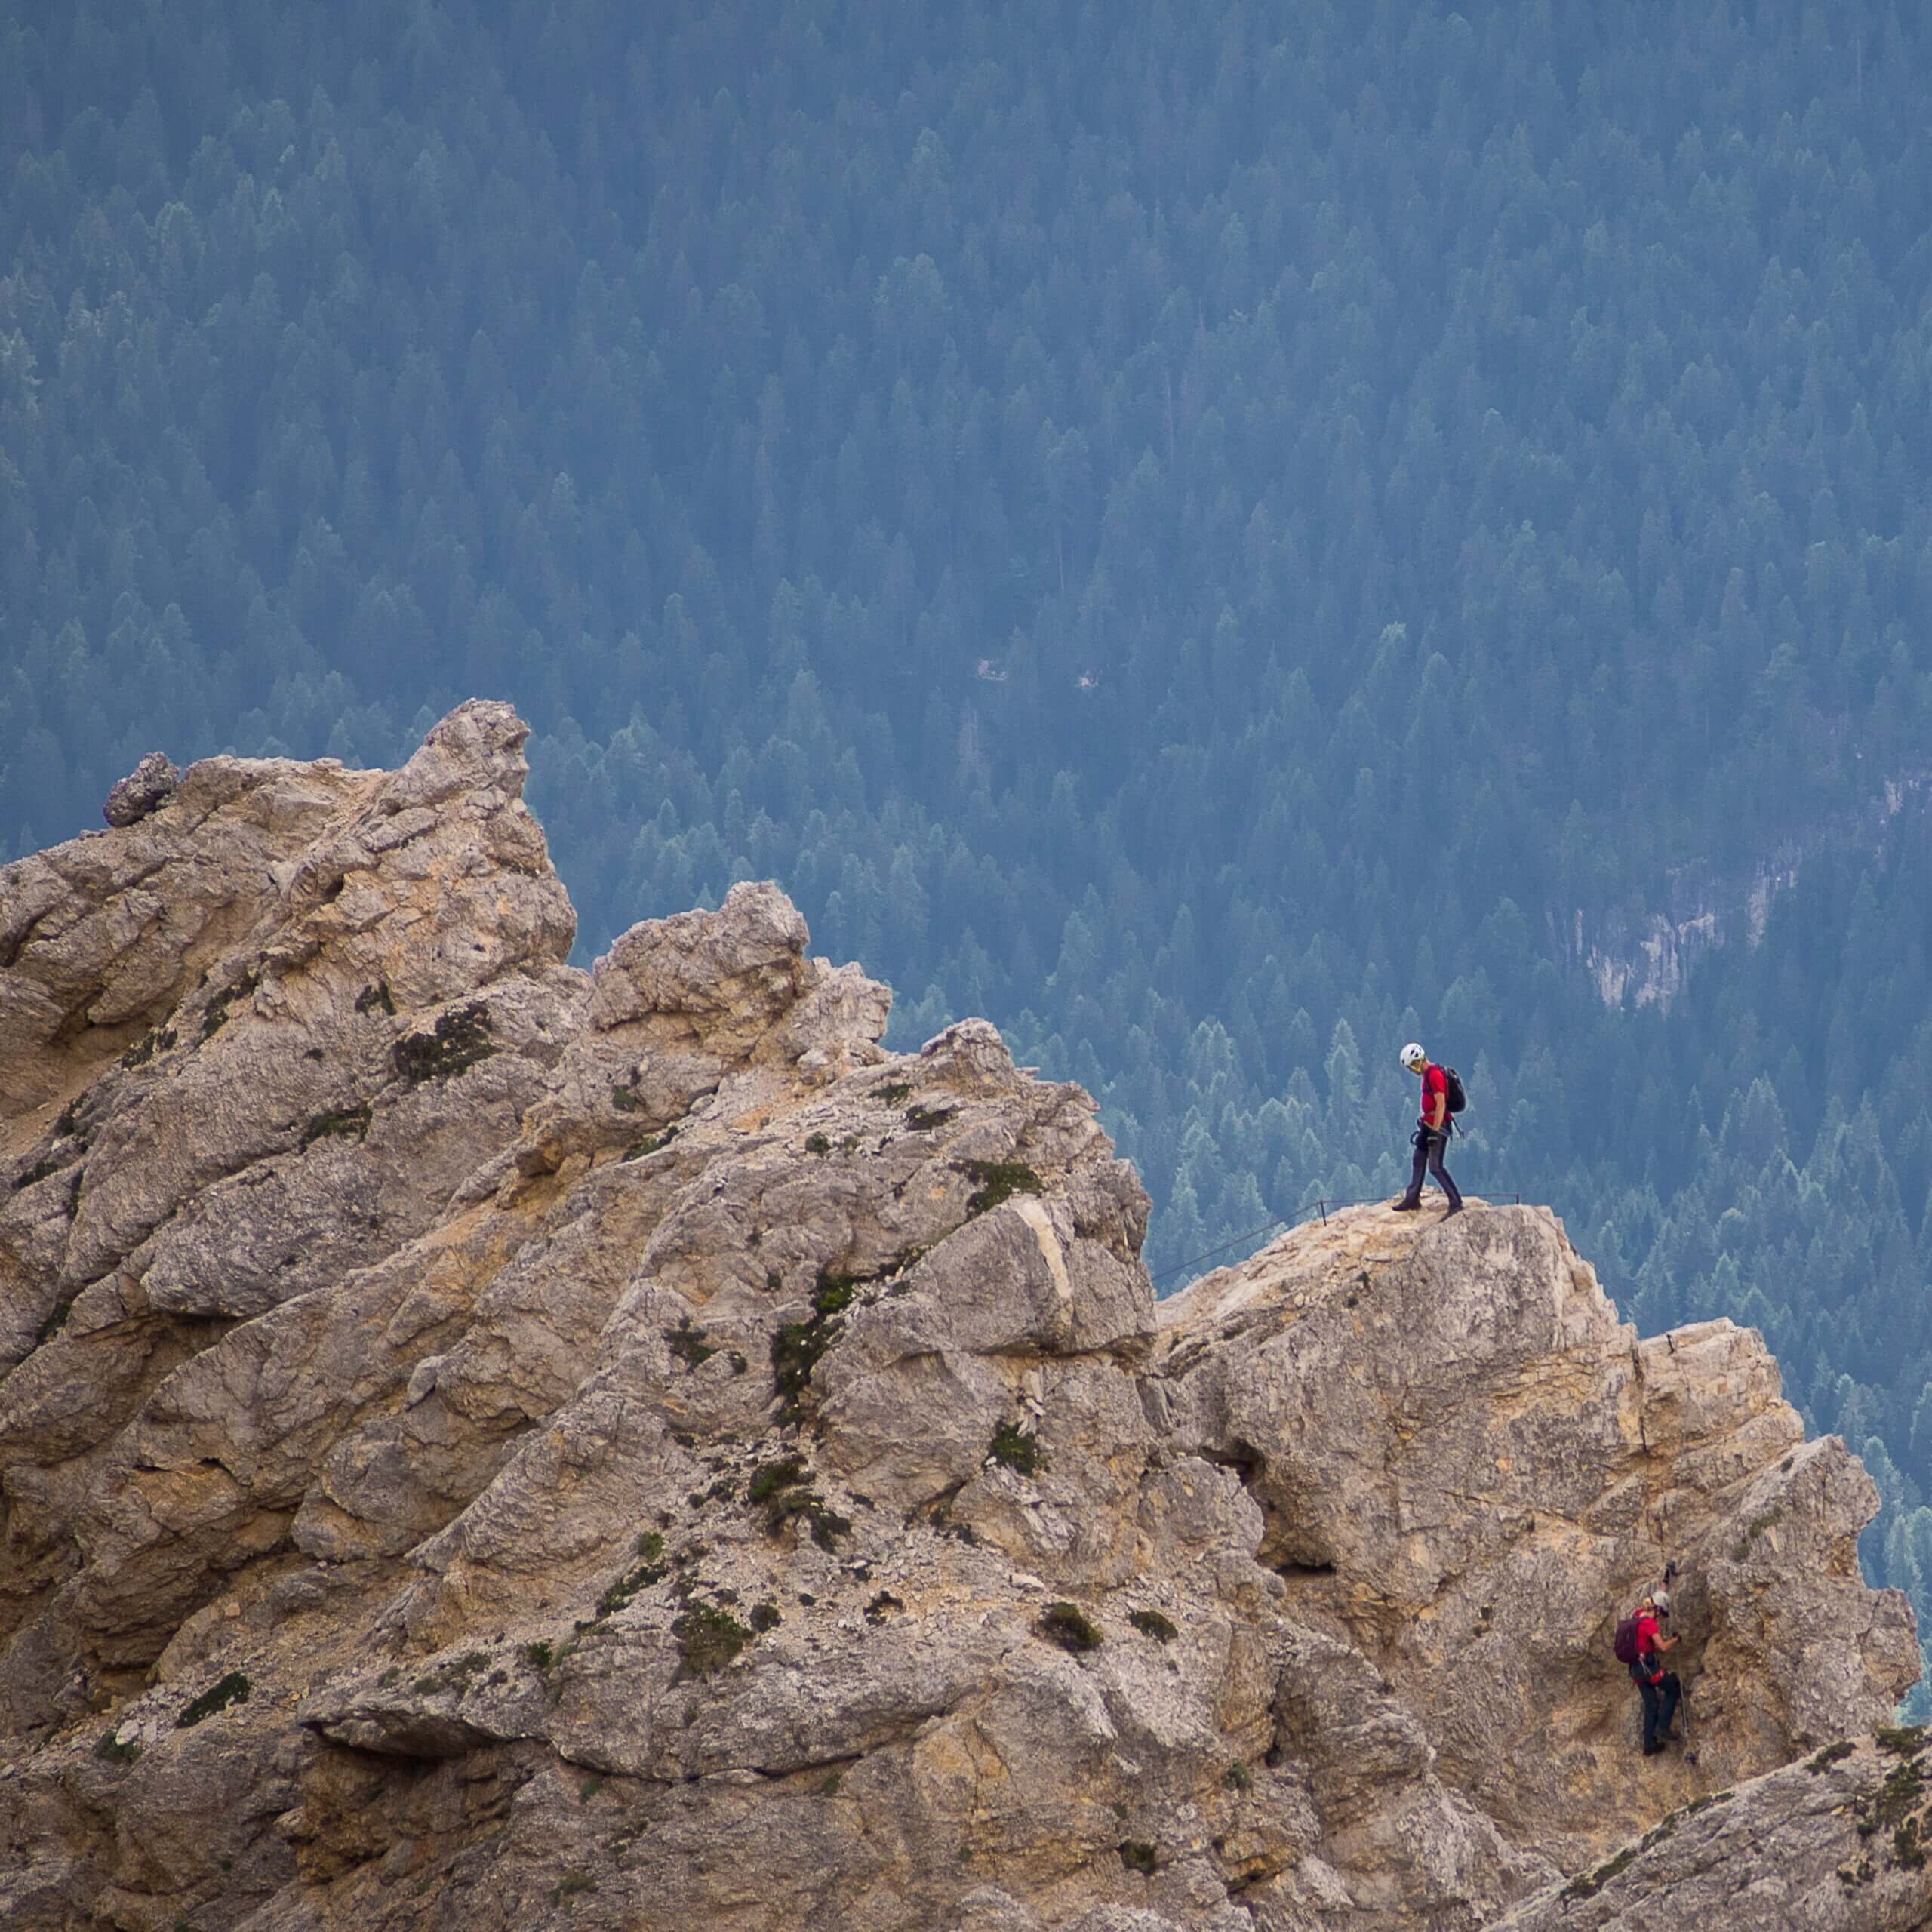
pixel 145 788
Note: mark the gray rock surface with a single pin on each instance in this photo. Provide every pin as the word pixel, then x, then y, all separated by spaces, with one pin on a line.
pixel 1470 1470
pixel 1835 1843
pixel 146 787
pixel 487 1444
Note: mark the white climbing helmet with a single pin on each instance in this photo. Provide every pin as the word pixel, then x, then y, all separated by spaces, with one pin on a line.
pixel 1660 1601
pixel 1414 1058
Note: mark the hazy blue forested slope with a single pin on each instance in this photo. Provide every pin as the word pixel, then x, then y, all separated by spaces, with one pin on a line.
pixel 1223 537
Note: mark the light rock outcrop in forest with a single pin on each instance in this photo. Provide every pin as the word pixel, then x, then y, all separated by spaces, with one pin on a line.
pixel 485 1443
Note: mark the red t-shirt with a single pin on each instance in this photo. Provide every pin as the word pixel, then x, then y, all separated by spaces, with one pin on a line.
pixel 1433 1083
pixel 1649 1658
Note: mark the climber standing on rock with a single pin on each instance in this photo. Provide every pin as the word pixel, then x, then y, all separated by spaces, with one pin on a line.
pixel 1432 1134
pixel 1659 1688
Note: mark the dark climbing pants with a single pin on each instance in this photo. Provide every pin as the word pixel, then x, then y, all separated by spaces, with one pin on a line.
pixel 1428 1155
pixel 1660 1707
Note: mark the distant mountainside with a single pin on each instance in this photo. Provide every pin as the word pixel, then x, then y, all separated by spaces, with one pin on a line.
pixel 491 1443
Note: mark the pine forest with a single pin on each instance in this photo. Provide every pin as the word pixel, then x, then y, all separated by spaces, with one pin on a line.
pixel 1222 538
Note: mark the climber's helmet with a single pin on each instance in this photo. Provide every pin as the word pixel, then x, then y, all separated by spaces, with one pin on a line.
pixel 1660 1602
pixel 1414 1058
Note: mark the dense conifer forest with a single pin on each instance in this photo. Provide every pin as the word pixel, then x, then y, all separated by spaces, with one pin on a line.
pixel 1222 537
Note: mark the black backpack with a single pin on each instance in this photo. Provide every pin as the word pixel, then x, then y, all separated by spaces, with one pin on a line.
pixel 1624 1643
pixel 1452 1082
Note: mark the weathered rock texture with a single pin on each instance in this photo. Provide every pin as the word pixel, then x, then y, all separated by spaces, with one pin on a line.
pixel 144 789
pixel 1836 1843
pixel 489 1443
pixel 1469 1470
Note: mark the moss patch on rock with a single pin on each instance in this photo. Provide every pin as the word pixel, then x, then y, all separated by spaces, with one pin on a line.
pixel 1067 1625
pixel 1753 1530
pixel 797 1347
pixel 459 1040
pixel 214 1016
pixel 344 1122
pixel 1017 1448
pixel 1899 1807
pixel 782 1491
pixel 376 998
pixel 708 1637
pixel 159 1041
pixel 232 1689
pixel 650 1568
pixel 459 1674
pixel 688 1344
pixel 1588 1884
pixel 997 1181
pixel 769 1479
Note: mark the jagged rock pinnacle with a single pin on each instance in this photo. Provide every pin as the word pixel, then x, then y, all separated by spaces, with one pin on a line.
pixel 486 1442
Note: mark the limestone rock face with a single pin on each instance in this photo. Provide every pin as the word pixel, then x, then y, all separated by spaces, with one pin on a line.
pixel 1470 1470
pixel 483 1443
pixel 1834 1842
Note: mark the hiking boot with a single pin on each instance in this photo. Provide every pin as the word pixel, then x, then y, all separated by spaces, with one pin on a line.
pixel 1454 1207
pixel 1407 1207
pixel 1653 1750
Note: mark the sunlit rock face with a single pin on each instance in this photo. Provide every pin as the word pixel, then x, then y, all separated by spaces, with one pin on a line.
pixel 485 1443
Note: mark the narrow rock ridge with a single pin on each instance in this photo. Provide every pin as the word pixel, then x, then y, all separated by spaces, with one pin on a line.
pixel 483 1443
pixel 1837 1840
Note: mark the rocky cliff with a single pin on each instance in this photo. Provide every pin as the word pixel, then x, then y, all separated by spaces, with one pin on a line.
pixel 489 1443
